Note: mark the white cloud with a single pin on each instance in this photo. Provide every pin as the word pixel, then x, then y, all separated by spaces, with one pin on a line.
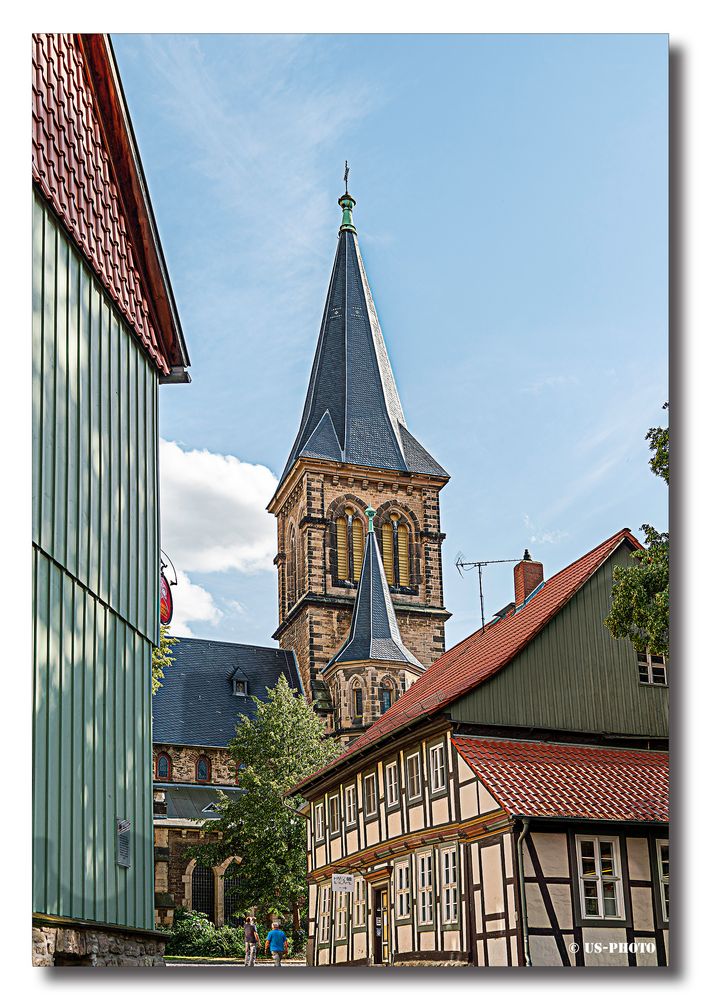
pixel 213 515
pixel 537 386
pixel 192 603
pixel 540 536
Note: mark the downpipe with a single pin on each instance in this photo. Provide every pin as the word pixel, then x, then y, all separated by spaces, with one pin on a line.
pixel 522 891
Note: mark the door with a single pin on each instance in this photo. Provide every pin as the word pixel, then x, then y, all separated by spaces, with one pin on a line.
pixel 381 926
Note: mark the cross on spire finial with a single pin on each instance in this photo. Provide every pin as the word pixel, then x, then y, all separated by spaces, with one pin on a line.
pixel 345 176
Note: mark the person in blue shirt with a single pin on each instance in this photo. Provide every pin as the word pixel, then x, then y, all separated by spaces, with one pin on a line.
pixel 276 943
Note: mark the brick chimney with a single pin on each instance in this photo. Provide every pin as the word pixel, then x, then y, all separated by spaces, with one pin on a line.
pixel 527 576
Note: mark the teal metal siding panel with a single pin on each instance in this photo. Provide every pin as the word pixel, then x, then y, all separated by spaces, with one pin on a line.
pixel 573 676
pixel 95 435
pixel 91 750
pixel 96 568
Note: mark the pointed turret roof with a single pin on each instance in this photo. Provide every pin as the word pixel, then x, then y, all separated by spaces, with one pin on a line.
pixel 374 632
pixel 352 412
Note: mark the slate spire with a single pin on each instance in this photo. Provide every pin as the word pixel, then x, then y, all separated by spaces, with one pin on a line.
pixel 352 412
pixel 374 632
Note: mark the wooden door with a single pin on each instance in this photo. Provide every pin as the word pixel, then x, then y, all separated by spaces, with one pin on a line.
pixel 381 952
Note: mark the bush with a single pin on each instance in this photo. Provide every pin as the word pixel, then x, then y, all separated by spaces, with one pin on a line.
pixel 194 934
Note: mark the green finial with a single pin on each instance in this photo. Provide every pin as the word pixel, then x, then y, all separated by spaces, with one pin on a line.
pixel 347 204
pixel 370 516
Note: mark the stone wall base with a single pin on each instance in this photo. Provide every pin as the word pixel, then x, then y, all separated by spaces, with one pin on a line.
pixel 81 944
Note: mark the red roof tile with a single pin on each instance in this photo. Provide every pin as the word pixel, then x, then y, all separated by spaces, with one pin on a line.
pixel 557 780
pixel 72 165
pixel 483 654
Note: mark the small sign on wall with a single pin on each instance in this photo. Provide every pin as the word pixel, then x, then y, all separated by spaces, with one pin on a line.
pixel 342 883
pixel 124 843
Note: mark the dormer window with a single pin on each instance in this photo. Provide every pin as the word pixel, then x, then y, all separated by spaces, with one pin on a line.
pixel 652 668
pixel 240 686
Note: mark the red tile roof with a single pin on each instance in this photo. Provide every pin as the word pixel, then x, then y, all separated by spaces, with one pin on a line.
pixel 73 166
pixel 483 654
pixel 557 780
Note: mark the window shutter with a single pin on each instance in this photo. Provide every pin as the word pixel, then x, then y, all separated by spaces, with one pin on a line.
pixel 342 549
pixel 357 547
pixel 387 551
pixel 403 554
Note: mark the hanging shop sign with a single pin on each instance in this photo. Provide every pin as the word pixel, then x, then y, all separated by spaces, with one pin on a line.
pixel 166 601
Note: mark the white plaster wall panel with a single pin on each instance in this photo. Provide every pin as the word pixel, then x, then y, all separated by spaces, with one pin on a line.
pixel 394 824
pixel 552 854
pixel 416 817
pixel 319 856
pixel 496 949
pixel 451 941
pixel 323 958
pixel 341 953
pixel 336 849
pixel 638 859
pixel 492 873
pixel 427 941
pixel 352 842
pixel 604 936
pixel 440 811
pixel 478 912
pixel 562 903
pixel 404 937
pixel 487 802
pixel 513 945
pixel 537 915
pixel 644 957
pixel 544 950
pixel 508 856
pixel 372 832
pixel 465 772
pixel 511 903
pixel 643 912
pixel 468 801
pixel 496 925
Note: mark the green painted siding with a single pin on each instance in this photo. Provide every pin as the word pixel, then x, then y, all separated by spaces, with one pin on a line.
pixel 573 676
pixel 95 537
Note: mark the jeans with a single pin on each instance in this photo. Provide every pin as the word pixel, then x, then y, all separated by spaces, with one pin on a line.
pixel 251 949
pixel 277 955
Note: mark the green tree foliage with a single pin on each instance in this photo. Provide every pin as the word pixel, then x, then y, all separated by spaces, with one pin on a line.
pixel 640 605
pixel 276 748
pixel 161 658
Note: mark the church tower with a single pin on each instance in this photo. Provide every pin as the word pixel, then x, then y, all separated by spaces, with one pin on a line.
pixel 353 451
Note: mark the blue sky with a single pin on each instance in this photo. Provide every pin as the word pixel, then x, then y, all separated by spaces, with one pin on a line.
pixel 512 214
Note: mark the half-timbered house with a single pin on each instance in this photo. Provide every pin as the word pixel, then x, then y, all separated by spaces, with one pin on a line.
pixel 510 807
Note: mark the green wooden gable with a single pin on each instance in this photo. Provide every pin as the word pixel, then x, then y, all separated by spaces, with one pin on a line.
pixel 573 675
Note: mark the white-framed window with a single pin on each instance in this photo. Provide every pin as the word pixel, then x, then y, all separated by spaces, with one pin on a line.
pixel 600 883
pixel 325 913
pixel 652 668
pixel 334 814
pixel 392 772
pixel 341 914
pixel 663 873
pixel 425 866
pixel 359 900
pixel 413 776
pixel 450 885
pixel 351 805
pixel 370 790
pixel 240 686
pixel 401 888
pixel 438 768
pixel 319 820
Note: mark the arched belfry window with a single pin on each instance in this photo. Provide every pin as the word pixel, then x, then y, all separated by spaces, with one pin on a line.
pixel 386 695
pixel 395 551
pixel 350 539
pixel 292 569
pixel 164 767
pixel 203 768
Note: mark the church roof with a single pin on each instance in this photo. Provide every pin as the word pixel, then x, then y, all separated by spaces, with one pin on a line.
pixel 197 704
pixel 352 412
pixel 374 632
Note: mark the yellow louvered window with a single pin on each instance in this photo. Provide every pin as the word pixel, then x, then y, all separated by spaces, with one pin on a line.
pixel 342 571
pixel 388 551
pixel 403 554
pixel 357 547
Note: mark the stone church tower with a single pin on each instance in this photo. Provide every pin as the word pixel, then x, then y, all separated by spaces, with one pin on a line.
pixel 353 451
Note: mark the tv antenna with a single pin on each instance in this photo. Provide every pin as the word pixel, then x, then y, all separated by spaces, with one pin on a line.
pixel 462 564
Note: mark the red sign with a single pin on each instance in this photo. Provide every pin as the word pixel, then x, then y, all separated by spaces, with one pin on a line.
pixel 166 602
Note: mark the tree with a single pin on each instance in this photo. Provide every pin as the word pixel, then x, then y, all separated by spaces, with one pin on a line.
pixel 640 604
pixel 276 748
pixel 161 658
